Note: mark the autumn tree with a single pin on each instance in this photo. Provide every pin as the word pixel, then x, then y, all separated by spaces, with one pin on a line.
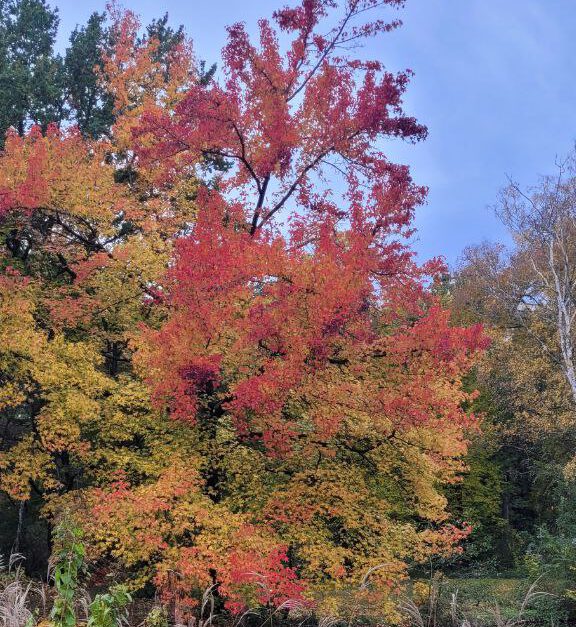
pixel 82 246
pixel 543 222
pixel 525 293
pixel 322 381
pixel 530 289
pixel 236 377
pixel 89 97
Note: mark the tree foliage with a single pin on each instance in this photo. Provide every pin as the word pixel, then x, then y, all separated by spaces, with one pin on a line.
pixel 31 75
pixel 223 357
pixel 42 87
pixel 525 294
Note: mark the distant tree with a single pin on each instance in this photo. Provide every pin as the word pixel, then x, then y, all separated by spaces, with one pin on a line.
pixel 167 37
pixel 526 295
pixel 31 75
pixel 89 98
pixel 533 286
pixel 543 223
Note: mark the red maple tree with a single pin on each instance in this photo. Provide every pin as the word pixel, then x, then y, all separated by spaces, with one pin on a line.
pixel 301 345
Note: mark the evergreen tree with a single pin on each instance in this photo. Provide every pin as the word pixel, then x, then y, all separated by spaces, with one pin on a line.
pixel 91 103
pixel 31 75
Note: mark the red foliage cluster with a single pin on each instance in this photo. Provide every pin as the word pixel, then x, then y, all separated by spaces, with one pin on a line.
pixel 259 306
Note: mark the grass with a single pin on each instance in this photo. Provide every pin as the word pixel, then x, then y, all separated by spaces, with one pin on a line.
pixel 485 602
pixel 440 602
pixel 19 598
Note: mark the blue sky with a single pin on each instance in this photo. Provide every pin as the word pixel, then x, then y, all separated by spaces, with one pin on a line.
pixel 495 83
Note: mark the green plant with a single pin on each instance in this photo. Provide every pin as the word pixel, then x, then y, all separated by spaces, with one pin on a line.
pixel 106 609
pixel 68 566
pixel 484 602
pixel 156 617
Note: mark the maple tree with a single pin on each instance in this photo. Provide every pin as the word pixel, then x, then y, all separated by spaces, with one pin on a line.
pixel 321 379
pixel 83 240
pixel 241 371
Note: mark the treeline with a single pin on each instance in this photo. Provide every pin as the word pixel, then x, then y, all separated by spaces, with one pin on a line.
pixel 520 486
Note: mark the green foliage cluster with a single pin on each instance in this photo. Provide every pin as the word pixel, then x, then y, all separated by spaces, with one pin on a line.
pixel 105 609
pixel 40 86
pixel 485 602
pixel 68 568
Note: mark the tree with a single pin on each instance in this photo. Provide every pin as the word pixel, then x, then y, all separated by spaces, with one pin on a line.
pixel 40 87
pixel 88 89
pixel 88 95
pixel 531 290
pixel 31 76
pixel 82 248
pixel 305 401
pixel 526 295
pixel 321 379
pixel 544 225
